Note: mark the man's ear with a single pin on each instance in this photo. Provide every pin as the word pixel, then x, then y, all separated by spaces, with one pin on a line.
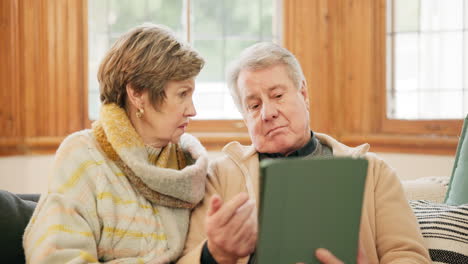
pixel 305 93
pixel 135 98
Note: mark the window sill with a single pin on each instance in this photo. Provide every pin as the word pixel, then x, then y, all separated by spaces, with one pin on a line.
pixel 438 145
pixel 215 141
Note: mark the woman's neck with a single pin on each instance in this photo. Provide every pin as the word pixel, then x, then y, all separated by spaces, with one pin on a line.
pixel 143 130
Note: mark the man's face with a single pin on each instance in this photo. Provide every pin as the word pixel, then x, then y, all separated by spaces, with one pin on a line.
pixel 275 111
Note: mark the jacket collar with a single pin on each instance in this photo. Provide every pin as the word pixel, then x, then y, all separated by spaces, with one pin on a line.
pixel 241 153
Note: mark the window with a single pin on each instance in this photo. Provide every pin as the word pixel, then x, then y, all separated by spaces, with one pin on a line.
pixel 219 30
pixel 427 59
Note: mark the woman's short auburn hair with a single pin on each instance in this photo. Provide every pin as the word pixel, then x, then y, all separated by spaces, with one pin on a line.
pixel 146 57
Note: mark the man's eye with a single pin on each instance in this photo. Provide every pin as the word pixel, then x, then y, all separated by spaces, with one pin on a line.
pixel 278 95
pixel 253 107
pixel 183 94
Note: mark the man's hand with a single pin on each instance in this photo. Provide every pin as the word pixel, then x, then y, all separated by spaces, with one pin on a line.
pixel 231 228
pixel 327 257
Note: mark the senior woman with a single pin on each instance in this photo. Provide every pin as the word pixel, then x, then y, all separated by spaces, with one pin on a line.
pixel 122 191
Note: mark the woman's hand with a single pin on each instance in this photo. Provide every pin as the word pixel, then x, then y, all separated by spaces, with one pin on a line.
pixel 231 228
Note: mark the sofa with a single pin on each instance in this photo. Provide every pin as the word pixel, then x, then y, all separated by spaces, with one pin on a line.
pixel 426 197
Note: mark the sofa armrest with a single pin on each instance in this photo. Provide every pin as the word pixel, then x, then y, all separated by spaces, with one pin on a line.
pixel 428 188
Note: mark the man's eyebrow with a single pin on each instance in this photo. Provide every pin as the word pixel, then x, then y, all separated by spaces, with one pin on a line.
pixel 250 97
pixel 275 87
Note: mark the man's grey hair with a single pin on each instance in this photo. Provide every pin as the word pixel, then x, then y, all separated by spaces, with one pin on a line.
pixel 261 56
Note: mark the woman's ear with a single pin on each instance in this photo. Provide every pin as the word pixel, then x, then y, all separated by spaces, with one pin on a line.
pixel 134 97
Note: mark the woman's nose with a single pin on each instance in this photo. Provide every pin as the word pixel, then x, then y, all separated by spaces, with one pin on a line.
pixel 191 111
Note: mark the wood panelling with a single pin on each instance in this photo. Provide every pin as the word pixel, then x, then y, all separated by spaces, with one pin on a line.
pixel 11 133
pixel 44 95
pixel 308 32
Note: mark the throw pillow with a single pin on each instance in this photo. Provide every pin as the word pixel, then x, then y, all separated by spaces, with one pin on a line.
pixel 445 230
pixel 457 193
pixel 426 188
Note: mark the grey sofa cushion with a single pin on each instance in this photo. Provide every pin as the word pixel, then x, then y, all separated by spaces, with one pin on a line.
pixel 15 215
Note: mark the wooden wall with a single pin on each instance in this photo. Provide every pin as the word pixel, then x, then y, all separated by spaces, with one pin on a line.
pixel 43 93
pixel 334 42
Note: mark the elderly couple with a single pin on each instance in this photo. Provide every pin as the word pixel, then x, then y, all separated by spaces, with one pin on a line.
pixel 136 189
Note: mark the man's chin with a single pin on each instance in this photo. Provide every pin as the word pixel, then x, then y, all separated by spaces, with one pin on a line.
pixel 275 147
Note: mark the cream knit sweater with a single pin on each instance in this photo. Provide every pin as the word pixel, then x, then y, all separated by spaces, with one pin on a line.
pixel 92 214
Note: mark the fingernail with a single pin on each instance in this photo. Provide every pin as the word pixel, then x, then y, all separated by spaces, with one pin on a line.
pixel 321 251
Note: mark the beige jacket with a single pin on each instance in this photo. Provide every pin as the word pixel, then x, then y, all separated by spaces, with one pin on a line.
pixel 389 231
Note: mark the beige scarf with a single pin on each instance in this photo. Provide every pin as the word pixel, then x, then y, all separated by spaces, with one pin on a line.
pixel 165 179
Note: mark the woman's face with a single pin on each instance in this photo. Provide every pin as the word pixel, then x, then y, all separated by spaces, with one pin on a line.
pixel 168 123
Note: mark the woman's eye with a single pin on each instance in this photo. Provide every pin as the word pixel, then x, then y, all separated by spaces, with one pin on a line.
pixel 253 107
pixel 183 94
pixel 278 95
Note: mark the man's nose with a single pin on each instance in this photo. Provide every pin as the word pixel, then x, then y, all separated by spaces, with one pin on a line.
pixel 269 111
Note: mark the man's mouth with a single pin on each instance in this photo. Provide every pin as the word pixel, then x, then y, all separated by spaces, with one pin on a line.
pixel 274 129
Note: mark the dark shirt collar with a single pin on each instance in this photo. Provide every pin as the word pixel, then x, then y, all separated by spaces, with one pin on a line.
pixel 306 150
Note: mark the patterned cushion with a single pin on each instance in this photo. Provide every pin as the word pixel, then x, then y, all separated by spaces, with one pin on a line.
pixel 445 230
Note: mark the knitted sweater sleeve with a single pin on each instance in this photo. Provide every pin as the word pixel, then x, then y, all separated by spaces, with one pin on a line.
pixel 65 227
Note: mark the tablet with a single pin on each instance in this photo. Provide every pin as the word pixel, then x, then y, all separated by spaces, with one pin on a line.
pixel 307 204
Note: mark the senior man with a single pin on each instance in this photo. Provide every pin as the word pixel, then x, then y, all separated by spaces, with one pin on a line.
pixel 270 91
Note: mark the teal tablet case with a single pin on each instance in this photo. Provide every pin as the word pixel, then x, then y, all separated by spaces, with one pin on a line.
pixel 457 192
pixel 306 204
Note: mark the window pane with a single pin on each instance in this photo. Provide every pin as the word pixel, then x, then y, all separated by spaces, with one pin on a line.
pixel 206 18
pixel 465 61
pixel 465 102
pixel 267 25
pixel 405 105
pixel 406 15
pixel 212 51
pixel 441 61
pixel 125 14
pixel 243 21
pixel 465 12
pixel 441 15
pixel 428 66
pixel 406 62
pixel 235 46
pixel 441 105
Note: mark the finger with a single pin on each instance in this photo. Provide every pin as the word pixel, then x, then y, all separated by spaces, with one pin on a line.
pixel 244 225
pixel 326 257
pixel 226 212
pixel 215 203
pixel 362 256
